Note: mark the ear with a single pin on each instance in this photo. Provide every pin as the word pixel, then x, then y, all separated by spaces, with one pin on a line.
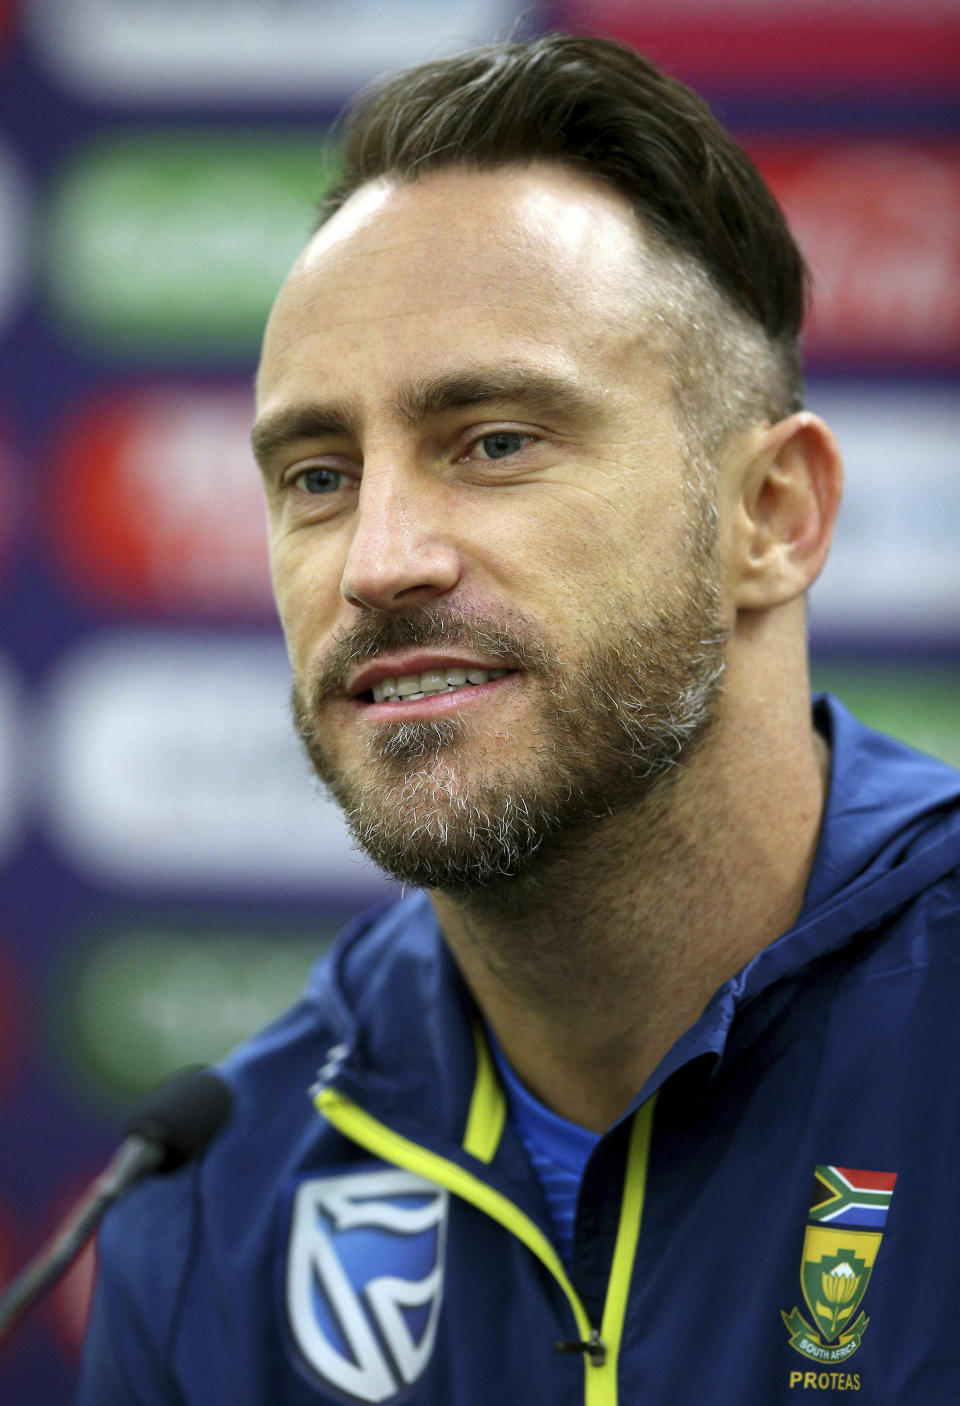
pixel 790 482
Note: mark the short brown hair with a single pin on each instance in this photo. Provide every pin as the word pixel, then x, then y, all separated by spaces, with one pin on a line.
pixel 602 108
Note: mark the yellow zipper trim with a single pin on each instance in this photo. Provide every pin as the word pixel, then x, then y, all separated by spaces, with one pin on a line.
pixel 600 1381
pixel 625 1245
pixel 488 1105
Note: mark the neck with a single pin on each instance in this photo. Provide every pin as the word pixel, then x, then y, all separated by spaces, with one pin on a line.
pixel 590 968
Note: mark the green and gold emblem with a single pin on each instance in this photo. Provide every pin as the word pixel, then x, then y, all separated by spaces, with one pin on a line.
pixel 837 1262
pixel 834 1273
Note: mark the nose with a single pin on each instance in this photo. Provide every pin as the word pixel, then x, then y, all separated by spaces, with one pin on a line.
pixel 401 551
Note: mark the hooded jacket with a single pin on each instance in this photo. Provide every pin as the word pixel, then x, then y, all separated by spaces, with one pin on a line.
pixel 776 1214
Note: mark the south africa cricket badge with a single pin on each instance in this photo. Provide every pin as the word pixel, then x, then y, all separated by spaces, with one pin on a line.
pixel 848 1214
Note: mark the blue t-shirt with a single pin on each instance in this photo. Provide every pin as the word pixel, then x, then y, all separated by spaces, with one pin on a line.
pixel 557 1148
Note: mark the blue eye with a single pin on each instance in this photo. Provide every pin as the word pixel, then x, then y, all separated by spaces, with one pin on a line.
pixel 503 443
pixel 319 480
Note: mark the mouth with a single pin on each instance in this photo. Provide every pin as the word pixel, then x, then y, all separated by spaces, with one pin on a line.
pixel 423 684
pixel 410 688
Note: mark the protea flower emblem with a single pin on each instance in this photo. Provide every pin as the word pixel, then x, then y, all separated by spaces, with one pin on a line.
pixel 835 1274
pixel 839 1287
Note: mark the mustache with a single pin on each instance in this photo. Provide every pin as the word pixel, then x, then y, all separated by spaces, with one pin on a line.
pixel 423 627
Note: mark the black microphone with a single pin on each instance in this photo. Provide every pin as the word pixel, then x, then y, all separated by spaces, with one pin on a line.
pixel 170 1125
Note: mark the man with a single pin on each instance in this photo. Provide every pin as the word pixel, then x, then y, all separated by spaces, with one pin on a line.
pixel 543 508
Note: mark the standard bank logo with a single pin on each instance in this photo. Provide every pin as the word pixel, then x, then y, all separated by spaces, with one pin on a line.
pixel 365 1278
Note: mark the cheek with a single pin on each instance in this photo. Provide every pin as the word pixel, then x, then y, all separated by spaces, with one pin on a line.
pixel 306 588
pixel 586 546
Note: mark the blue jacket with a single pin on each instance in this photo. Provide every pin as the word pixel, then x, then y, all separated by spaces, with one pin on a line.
pixel 778 1213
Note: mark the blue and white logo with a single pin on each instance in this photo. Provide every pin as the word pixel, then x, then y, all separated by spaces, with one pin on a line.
pixel 365 1278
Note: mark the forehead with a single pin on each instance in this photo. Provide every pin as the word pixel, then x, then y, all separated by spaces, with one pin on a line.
pixel 535 260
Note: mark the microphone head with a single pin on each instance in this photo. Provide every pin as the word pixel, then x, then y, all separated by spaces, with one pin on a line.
pixel 182 1114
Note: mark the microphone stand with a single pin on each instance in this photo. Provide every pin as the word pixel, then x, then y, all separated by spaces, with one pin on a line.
pixel 136 1156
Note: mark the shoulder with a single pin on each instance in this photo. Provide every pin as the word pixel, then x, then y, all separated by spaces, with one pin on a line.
pixel 156 1248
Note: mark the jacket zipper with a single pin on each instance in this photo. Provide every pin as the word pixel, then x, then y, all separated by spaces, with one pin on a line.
pixel 600 1345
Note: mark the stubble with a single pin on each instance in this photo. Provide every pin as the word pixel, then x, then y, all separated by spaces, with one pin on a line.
pixel 446 805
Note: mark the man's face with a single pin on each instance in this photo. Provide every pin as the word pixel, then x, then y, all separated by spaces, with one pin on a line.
pixel 496 581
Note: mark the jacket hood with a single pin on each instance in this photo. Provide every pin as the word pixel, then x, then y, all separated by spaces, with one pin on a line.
pixel 886 803
pixel 891 827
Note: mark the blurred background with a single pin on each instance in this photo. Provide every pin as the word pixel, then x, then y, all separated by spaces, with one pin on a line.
pixel 167 871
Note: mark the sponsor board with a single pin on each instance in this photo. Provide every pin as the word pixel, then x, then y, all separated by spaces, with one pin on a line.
pixel 158 502
pixel 10 1248
pixel 15 221
pixel 173 762
pixel 9 480
pixel 11 746
pixel 175 242
pixel 894 569
pixel 878 221
pixel 13 1008
pixel 914 701
pixel 144 998
pixel 211 51
pixel 8 16
pixel 803 49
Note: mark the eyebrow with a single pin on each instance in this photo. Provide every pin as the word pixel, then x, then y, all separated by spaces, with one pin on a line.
pixel 424 400
pixel 308 421
pixel 421 401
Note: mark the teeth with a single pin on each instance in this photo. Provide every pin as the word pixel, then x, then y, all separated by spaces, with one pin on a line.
pixel 413 686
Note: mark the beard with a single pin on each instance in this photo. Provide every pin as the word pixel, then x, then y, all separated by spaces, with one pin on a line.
pixel 444 805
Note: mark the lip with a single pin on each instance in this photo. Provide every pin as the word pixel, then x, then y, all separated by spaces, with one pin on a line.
pixel 433 705
pixel 402 662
